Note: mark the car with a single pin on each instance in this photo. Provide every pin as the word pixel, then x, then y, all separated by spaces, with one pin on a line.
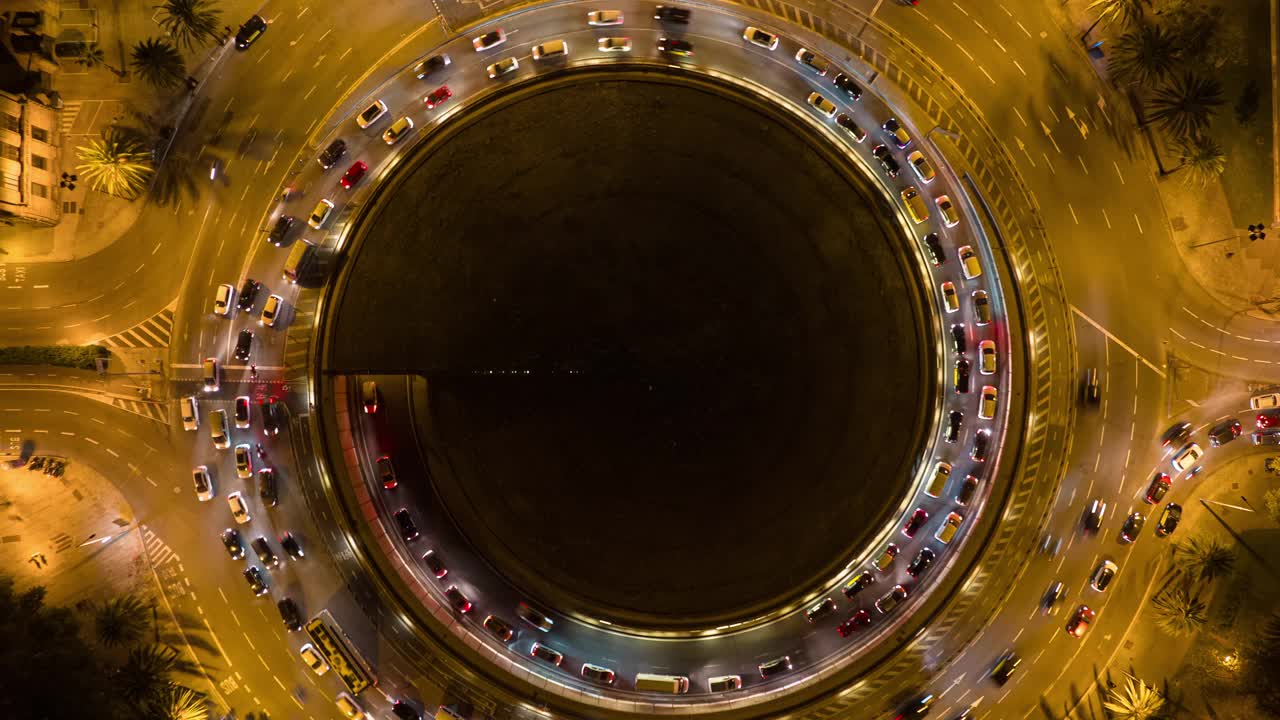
pixel 672 46
pixel 967 489
pixel 500 628
pixel 981 441
pixel 353 174
pixel 1005 667
pixel 349 708
pixel 987 357
pixel 921 167
pixel 222 300
pixel 244 462
pixel 896 133
pixel 404 711
pixel 914 204
pixel 244 344
pixel 1267 420
pixel 313 659
pixel 856 621
pixel 921 562
pixel 434 564
pixel 290 614
pixel 1078 625
pixel 1168 521
pixel 950 299
pixel 951 218
pixel 257 583
pixel 1056 592
pixel 332 153
pixel 1186 457
pixel 1093 518
pixel 914 523
pixel 920 705
pixel 248 294
pixel 387 473
pixel 280 232
pixel 596 673
pixel 1132 526
pixel 267 488
pixel 218 429
pixel 891 600
pixel 774 667
pixel 266 555
pixel 191 413
pixel 604 18
pixel 250 31
pixel 614 44
pixel 938 481
pixel 489 40
pixel 536 618
pixel 1159 486
pixel 398 130
pixel 987 408
pixel 1176 435
pixel 821 104
pixel 887 162
pixel 542 652
pixel 760 38
pixel 203 483
pixel 968 261
pixel 724 683
pixel 960 375
pixel 1103 575
pixel 813 61
pixel 239 510
pixel 851 128
pixel 502 67
pixel 369 396
pixel 408 530
pixel 272 415
pixel 981 307
pixel 432 65
pixel 231 541
pixel 242 412
pixel 372 114
pixel 847 86
pixel 271 310
pixel 291 546
pixel 672 14
pixel 551 49
pixel 950 526
pixel 1266 438
pixel 457 599
pixel 955 420
pixel 1259 402
pixel 859 583
pixel 885 561
pixel 958 343
pixel 820 609
pixel 320 214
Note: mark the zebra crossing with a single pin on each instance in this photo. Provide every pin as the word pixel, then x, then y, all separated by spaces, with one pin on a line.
pixel 70 111
pixel 153 332
pixel 158 552
pixel 148 409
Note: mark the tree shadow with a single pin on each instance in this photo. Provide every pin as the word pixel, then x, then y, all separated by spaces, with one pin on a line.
pixel 174 180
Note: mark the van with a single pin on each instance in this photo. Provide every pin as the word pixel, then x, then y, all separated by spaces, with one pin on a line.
pixel 1262 402
pixel 300 258
pixel 915 204
pixel 939 480
pixel 891 600
pixel 218 429
pixel 949 528
pixel 190 413
pixel 724 683
pixel 210 367
pixel 670 684
pixel 550 50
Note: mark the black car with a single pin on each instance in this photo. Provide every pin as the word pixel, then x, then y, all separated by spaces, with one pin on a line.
pixel 267 488
pixel 955 421
pixel 1005 667
pixel 981 440
pixel 858 583
pixel 403 710
pixel 266 555
pixel 1176 435
pixel 919 706
pixel 675 47
pixel 290 614
pixel 433 64
pixel 332 154
pixel 457 599
pixel 1056 592
pixel 958 344
pixel 1169 519
pixel 933 246
pixel 243 344
pixel 257 583
pixel 1225 432
pixel 408 530
pixel 921 562
pixel 890 165
pixel 849 126
pixel 231 541
pixel 672 14
pixel 1132 526
pixel 847 86
pixel 248 294
pixel 281 229
pixel 775 667
pixel 291 546
pixel 967 489
pixel 1093 518
pixel 249 32
pixel 435 564
pixel 272 416
pixel 961 376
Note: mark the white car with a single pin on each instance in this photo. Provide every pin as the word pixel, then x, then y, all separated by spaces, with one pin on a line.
pixel 314 660
pixel 614 44
pixel 489 40
pixel 987 357
pixel 921 167
pixel 502 67
pixel 244 462
pixel 550 49
pixel 371 114
pixel 239 510
pixel 969 262
pixel 271 311
pixel 204 483
pixel 949 297
pixel 758 37
pixel 603 18
pixel 190 413
pixel 222 300
pixel 320 214
pixel 398 129
pixel 1186 457
pixel 822 105
pixel 949 215
pixel 1262 402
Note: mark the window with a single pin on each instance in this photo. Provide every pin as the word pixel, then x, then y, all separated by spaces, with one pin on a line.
pixel 9 152
pixel 39 162
pixel 41 191
pixel 39 133
pixel 11 123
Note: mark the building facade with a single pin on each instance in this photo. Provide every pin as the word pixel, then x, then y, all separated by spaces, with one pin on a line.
pixel 29 163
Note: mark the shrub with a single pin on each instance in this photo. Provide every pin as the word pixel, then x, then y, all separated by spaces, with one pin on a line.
pixel 72 356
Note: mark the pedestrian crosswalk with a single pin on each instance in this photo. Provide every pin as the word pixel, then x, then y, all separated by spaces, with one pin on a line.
pixel 148 409
pixel 70 111
pixel 153 332
pixel 157 550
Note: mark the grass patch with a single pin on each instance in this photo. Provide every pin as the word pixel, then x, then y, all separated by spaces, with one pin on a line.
pixel 83 357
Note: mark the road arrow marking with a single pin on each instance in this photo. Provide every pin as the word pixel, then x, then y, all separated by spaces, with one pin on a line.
pixel 1049 134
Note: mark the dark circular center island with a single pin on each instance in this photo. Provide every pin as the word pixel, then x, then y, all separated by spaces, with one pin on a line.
pixel 677 365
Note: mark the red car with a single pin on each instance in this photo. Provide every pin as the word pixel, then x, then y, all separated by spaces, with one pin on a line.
pixel 437 96
pixel 1159 486
pixel 857 621
pixel 1268 420
pixel 353 174
pixel 918 518
pixel 1079 623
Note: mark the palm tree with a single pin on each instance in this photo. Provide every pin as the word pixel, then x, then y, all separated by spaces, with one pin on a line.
pixel 1145 57
pixel 121 621
pixel 1126 12
pixel 1178 612
pixel 1204 161
pixel 117 164
pixel 179 703
pixel 93 56
pixel 1134 701
pixel 144 677
pixel 190 22
pixel 1184 107
pixel 1204 558
pixel 158 62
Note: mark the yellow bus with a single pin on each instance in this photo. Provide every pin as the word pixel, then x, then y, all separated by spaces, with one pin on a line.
pixel 341 653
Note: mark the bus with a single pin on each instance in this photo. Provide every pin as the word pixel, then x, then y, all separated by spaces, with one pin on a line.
pixel 341 653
